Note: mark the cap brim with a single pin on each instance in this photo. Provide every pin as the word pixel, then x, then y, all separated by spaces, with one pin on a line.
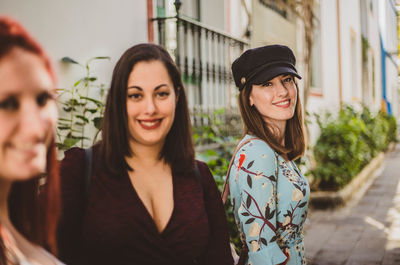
pixel 270 73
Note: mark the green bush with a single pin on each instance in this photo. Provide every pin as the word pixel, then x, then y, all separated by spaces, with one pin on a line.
pixel 218 157
pixel 392 128
pixel 347 142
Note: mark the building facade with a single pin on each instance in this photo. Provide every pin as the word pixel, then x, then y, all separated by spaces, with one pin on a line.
pixel 353 56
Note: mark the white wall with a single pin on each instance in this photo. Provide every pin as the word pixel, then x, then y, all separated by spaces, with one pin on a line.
pixel 350 27
pixel 329 100
pixel 81 30
pixel 238 18
pixel 213 13
pixel 392 86
pixel 271 28
pixel 375 52
pixel 388 26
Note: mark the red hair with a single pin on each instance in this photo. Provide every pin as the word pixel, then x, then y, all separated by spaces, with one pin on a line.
pixel 13 35
pixel 33 212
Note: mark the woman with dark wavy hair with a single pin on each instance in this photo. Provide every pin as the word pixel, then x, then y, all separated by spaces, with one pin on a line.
pixel 28 116
pixel 150 202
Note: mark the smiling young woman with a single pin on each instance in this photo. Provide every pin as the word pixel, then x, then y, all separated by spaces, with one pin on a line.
pixel 151 101
pixel 146 203
pixel 268 192
pixel 28 116
pixel 276 101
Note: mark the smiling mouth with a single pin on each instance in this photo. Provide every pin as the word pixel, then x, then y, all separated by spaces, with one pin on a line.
pixel 28 150
pixel 150 124
pixel 283 104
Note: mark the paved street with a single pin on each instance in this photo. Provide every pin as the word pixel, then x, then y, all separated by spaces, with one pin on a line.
pixel 367 231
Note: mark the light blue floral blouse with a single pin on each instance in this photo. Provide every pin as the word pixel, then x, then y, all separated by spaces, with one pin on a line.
pixel 270 200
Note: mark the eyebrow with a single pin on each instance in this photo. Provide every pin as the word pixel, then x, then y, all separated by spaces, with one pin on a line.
pixel 38 90
pixel 141 89
pixel 287 75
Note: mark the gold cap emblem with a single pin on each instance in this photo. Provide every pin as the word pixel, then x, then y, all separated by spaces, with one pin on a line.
pixel 243 80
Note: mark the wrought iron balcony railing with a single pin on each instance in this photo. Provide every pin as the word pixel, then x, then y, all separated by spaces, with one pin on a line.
pixel 204 55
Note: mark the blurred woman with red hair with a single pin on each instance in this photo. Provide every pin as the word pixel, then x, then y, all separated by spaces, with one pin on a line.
pixel 28 159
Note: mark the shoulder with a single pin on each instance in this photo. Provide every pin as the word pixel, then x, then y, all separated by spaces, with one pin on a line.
pixel 254 156
pixel 73 156
pixel 207 177
pixel 72 165
pixel 51 258
pixel 74 152
pixel 203 168
pixel 251 145
pixel 77 154
pixel 13 252
pixel 201 165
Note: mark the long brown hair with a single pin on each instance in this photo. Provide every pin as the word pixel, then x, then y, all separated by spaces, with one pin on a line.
pixel 33 216
pixel 178 149
pixel 254 124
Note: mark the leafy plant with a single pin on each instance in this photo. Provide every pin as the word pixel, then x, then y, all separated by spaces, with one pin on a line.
pixel 347 142
pixel 80 109
pixel 217 157
pixel 392 127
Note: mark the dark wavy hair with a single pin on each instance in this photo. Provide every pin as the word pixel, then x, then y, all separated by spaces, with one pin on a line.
pixel 254 124
pixel 178 149
pixel 33 216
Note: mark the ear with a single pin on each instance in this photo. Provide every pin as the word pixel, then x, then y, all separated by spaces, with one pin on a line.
pixel 251 100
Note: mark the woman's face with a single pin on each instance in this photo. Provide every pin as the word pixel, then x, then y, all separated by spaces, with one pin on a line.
pixel 275 100
pixel 28 115
pixel 150 103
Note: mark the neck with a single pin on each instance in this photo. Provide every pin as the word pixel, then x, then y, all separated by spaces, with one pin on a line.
pixel 278 129
pixel 281 130
pixel 5 187
pixel 144 154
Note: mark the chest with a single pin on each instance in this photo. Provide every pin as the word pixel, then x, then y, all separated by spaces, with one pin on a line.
pixel 154 188
pixel 117 219
pixel 292 191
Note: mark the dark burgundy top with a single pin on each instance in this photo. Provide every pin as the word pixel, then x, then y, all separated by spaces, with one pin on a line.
pixel 117 228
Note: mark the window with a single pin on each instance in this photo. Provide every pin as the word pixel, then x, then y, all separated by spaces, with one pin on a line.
pixel 160 8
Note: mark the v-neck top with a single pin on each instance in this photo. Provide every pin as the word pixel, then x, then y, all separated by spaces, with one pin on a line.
pixel 112 225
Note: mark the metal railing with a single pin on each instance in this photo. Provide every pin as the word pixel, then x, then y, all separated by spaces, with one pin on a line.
pixel 204 55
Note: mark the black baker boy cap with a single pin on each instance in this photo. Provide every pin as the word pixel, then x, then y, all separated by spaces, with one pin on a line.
pixel 259 65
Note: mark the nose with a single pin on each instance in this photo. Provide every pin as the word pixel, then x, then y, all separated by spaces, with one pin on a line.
pixel 150 106
pixel 282 90
pixel 33 122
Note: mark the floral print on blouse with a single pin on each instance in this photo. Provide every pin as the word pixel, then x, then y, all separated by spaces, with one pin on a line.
pixel 270 200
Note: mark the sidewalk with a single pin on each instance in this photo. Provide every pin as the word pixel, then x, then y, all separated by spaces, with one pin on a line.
pixel 365 232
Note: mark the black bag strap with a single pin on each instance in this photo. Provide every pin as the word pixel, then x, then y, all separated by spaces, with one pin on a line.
pixel 88 171
pixel 198 176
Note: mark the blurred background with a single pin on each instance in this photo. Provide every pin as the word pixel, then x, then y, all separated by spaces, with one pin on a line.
pixel 347 53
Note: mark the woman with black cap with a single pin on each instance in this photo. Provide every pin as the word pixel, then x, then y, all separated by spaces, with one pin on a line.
pixel 268 192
